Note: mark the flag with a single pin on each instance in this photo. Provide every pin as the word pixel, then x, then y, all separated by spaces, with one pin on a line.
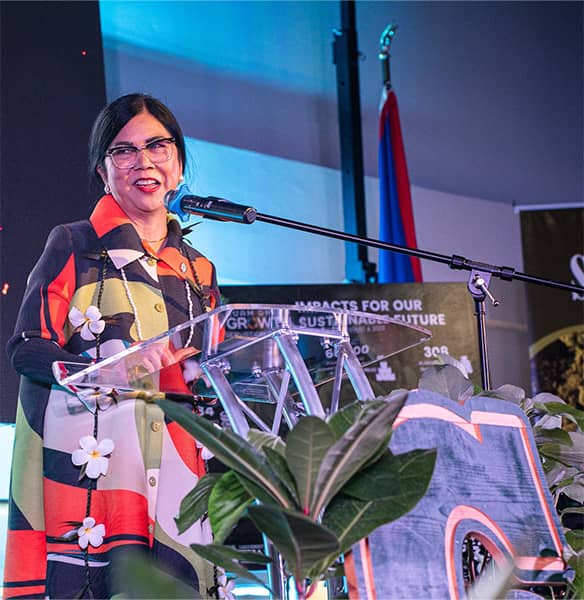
pixel 396 218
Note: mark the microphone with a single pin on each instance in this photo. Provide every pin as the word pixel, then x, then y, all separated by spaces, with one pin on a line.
pixel 181 202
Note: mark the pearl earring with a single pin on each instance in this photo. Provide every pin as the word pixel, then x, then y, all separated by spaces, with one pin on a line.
pixel 181 178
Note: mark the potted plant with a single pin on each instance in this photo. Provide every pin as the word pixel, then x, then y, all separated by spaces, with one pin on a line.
pixel 280 484
pixel 314 495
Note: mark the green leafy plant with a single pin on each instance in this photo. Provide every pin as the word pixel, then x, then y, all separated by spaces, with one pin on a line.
pixel 144 579
pixel 314 495
pixel 558 429
pixel 559 437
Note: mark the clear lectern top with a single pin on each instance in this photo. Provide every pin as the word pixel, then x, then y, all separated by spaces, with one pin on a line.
pixel 254 352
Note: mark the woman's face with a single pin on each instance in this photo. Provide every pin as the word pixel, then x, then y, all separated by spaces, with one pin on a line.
pixel 140 190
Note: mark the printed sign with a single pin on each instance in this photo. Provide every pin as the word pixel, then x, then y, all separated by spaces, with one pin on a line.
pixel 446 309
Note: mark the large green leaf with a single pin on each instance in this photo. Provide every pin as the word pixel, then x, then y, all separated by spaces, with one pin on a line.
pixel 569 455
pixel 195 504
pixel 227 502
pixel 510 393
pixel 231 449
pixel 262 439
pixel 446 359
pixel 143 578
pixel 575 538
pixel 575 490
pixel 447 381
pixel 576 561
pixel 230 559
pixel 299 540
pixel 556 434
pixel 557 474
pixel 274 450
pixel 560 408
pixel 278 463
pixel 257 491
pixel 343 419
pixel 361 441
pixel 351 519
pixel 572 510
pixel 306 447
pixel 400 478
pixel 545 397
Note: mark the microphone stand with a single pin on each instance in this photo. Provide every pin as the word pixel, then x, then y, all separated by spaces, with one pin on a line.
pixel 477 285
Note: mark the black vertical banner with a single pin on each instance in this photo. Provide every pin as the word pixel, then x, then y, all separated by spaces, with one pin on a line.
pixel 553 248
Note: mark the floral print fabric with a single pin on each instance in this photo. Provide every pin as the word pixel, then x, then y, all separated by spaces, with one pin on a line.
pixel 83 489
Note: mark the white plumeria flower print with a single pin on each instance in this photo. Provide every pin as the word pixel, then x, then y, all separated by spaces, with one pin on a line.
pixel 93 455
pixel 225 587
pixel 91 322
pixel 90 533
pixel 191 370
pixel 206 454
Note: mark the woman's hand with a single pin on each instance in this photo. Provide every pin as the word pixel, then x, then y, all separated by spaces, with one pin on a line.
pixel 160 355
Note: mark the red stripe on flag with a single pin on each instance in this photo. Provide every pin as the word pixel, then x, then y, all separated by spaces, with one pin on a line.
pixel 390 112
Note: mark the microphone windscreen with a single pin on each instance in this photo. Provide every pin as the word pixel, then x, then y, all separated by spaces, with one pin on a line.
pixel 173 201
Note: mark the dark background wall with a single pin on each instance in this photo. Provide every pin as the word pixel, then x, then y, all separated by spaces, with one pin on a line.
pixel 490 92
pixel 52 88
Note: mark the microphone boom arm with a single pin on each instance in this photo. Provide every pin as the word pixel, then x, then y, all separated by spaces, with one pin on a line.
pixel 454 262
pixel 182 202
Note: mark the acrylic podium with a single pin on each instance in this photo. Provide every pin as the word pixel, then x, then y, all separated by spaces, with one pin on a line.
pixel 252 355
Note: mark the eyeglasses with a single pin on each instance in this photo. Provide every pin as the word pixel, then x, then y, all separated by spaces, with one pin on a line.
pixel 157 151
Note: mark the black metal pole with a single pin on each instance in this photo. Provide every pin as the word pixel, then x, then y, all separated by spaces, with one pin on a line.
pixel 478 280
pixel 454 261
pixel 346 59
pixel 480 314
pixel 384 53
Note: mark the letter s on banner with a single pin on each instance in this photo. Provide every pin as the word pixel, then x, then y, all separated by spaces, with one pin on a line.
pixel 577 268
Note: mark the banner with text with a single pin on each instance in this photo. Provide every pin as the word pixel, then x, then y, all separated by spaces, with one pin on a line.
pixel 446 309
pixel 553 249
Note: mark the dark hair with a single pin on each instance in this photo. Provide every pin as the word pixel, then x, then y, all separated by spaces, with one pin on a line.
pixel 115 116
